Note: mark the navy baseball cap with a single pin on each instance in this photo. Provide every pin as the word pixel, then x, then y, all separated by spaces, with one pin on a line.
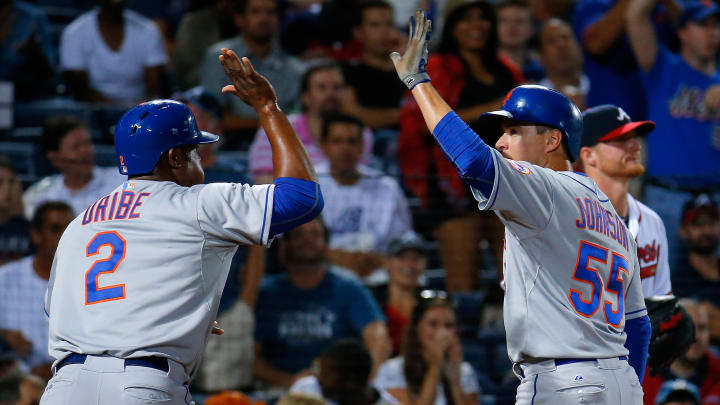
pixel 696 11
pixel 677 390
pixel 408 240
pixel 700 204
pixel 607 122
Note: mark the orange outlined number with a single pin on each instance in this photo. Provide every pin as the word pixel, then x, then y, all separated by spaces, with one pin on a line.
pixel 586 273
pixel 93 292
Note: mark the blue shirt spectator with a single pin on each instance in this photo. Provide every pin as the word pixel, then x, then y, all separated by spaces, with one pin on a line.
pixel 301 313
pixel 598 24
pixel 26 49
pixel 300 324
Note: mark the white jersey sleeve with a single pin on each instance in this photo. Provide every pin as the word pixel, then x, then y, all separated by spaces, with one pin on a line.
pixel 226 212
pixel 518 196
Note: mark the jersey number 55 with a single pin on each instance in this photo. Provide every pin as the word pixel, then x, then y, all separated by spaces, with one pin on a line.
pixel 588 255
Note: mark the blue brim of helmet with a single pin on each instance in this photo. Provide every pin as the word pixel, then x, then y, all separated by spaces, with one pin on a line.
pixel 207 137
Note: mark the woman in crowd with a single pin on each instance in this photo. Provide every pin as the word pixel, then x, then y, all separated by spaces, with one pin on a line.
pixel 430 370
pixel 470 75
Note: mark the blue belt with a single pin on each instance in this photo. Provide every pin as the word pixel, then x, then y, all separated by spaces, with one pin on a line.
pixel 158 363
pixel 560 362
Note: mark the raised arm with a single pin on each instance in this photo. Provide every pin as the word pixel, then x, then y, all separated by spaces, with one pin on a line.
pixel 602 34
pixel 641 33
pixel 461 145
pixel 289 156
pixel 297 198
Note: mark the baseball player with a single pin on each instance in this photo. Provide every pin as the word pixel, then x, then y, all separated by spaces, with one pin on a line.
pixel 137 277
pixel 610 155
pixel 574 314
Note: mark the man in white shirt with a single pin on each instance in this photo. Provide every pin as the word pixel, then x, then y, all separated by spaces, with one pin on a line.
pixel 610 155
pixel 113 54
pixel 67 144
pixel 364 209
pixel 23 322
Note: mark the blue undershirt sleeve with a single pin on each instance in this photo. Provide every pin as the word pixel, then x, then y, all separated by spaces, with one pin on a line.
pixel 468 153
pixel 638 340
pixel 295 202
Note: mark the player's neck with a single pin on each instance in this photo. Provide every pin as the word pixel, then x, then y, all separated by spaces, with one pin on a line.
pixel 616 189
pixel 306 277
pixel 556 161
pixel 42 266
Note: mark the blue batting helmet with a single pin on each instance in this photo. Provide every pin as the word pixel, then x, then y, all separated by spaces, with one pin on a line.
pixel 145 132
pixel 543 106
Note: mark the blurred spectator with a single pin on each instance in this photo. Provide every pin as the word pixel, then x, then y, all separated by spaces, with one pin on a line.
pixel 301 313
pixel 198 30
pixel 26 49
pixel 364 209
pixel 14 228
pixel 23 321
pixel 678 392
pixel 228 359
pixel 698 272
pixel 229 398
pixel 342 377
pixel 515 29
pixel 683 93
pixel 258 22
pixel 373 91
pixel 431 370
pixel 699 365
pixel 561 56
pixel 469 75
pixel 320 93
pixel 208 113
pixel 21 390
pixel 610 155
pixel 609 62
pixel 67 145
pixel 113 54
pixel 543 10
pixel 299 398
pixel 406 263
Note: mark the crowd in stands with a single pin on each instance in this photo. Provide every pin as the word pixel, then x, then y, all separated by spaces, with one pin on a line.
pixel 394 296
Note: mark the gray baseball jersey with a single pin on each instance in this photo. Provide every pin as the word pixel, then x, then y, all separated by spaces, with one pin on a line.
pixel 570 265
pixel 140 272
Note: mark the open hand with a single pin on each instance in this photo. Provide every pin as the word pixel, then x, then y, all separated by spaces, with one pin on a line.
pixel 410 67
pixel 252 87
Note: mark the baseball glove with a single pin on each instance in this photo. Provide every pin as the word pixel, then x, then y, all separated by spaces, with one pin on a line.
pixel 673 331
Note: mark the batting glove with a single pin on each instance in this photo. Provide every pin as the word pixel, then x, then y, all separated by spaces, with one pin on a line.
pixel 411 66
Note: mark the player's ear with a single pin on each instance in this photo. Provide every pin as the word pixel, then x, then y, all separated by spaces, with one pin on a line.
pixel 176 158
pixel 553 141
pixel 587 156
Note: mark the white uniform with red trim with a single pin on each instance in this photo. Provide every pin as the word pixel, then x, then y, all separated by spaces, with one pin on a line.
pixel 652 248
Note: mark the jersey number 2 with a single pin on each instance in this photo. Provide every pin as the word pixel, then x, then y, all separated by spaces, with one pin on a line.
pixel 586 273
pixel 93 292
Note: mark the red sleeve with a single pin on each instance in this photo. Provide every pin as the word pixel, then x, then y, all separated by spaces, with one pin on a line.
pixel 515 71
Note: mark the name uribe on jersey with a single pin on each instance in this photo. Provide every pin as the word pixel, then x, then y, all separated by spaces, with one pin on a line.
pixel 136 281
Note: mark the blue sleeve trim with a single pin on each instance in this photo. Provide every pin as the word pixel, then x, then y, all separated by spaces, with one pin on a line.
pixel 638 332
pixel 466 151
pixel 295 202
pixel 635 312
pixel 262 230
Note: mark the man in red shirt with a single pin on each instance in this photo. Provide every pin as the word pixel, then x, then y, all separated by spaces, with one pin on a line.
pixel 699 365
